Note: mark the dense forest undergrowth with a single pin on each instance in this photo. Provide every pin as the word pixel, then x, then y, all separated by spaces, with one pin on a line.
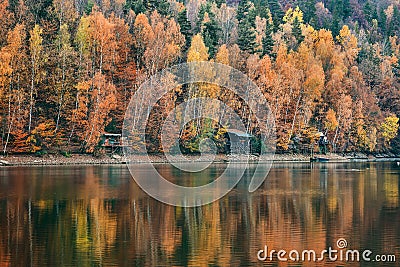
pixel 68 68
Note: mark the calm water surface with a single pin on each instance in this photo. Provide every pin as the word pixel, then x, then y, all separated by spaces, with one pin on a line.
pixel 98 216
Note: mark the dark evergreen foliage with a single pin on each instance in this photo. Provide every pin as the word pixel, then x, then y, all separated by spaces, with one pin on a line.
pixel 185 26
pixel 246 28
pixel 276 12
pixel 268 42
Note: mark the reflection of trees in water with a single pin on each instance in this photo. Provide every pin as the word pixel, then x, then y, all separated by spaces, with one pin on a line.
pixel 93 220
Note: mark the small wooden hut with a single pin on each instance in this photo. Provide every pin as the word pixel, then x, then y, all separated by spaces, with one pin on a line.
pixel 238 141
pixel 112 143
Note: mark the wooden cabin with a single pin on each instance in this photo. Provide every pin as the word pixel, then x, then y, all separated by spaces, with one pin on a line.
pixel 112 143
pixel 238 142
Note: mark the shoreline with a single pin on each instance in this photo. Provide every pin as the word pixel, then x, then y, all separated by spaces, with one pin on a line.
pixel 82 159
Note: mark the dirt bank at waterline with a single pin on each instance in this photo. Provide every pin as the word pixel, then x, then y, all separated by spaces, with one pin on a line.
pixel 81 159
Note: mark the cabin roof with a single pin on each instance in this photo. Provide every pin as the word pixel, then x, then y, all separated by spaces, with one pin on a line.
pixel 111 135
pixel 238 133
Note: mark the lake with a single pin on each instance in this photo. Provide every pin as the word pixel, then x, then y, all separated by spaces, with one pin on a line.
pixel 98 216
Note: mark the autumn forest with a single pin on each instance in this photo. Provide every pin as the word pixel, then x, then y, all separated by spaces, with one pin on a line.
pixel 68 68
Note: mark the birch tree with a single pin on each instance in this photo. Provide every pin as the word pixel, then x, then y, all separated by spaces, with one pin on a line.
pixel 36 63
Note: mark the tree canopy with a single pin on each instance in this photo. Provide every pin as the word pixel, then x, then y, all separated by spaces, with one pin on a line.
pixel 69 68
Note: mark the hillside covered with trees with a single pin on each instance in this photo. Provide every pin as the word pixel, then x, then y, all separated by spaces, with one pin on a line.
pixel 68 68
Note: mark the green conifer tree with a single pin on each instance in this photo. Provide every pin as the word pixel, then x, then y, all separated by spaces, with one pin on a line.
pixel 162 6
pixel 208 27
pixel 296 31
pixel 393 24
pixel 370 12
pixel 382 22
pixel 267 41
pixel 200 17
pixel 185 26
pixel 246 28
pixel 219 2
pixel 262 8
pixel 341 11
pixel 310 16
pixel 276 11
pixel 210 33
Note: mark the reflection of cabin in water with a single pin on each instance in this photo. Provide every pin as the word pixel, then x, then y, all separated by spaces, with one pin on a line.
pixel 239 142
pixel 112 143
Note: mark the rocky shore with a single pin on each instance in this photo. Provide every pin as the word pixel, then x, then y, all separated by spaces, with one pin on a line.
pixel 81 159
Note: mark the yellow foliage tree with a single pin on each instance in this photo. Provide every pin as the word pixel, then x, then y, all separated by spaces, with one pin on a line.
pixel 198 50
pixel 389 129
pixel 292 14
pixel 331 122
pixel 348 41
pixel 43 136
